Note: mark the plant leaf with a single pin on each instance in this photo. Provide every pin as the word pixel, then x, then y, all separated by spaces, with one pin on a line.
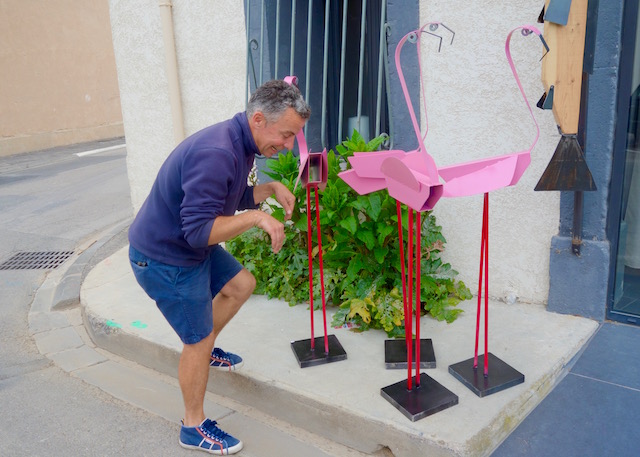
pixel 375 205
pixel 361 253
pixel 380 253
pixel 350 223
pixel 359 307
pixel 367 237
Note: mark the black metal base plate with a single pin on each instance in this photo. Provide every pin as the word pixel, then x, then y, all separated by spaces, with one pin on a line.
pixel 307 357
pixel 431 397
pixel 501 376
pixel 395 353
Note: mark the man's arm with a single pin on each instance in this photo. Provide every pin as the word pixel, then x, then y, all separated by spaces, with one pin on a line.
pixel 226 227
pixel 286 199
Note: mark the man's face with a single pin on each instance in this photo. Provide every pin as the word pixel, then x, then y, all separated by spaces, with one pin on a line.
pixel 273 137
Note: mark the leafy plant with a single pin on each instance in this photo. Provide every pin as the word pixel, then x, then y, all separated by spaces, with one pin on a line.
pixel 361 254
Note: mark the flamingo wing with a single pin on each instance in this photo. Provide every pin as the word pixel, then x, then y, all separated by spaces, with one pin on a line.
pixel 478 177
pixel 367 164
pixel 362 185
pixel 410 187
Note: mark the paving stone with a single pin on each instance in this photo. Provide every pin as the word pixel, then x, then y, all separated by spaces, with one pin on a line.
pixel 42 321
pixel 57 340
pixel 143 388
pixel 74 359
pixel 254 433
pixel 74 315
pixel 82 332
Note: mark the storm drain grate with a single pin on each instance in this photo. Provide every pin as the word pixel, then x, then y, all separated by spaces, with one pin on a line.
pixel 43 260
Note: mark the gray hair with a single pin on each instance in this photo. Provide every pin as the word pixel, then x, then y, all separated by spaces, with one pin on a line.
pixel 274 97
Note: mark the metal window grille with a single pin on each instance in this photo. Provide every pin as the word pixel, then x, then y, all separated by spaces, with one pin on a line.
pixel 337 49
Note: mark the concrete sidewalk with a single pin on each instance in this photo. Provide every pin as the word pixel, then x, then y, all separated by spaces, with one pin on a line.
pixel 57 327
pixel 341 401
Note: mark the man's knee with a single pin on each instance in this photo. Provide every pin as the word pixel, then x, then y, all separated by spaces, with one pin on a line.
pixel 241 286
pixel 205 345
pixel 247 282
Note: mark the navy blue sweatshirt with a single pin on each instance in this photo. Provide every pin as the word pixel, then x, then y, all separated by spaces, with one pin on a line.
pixel 204 177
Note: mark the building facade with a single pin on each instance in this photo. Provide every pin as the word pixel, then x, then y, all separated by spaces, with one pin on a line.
pixel 475 110
pixel 59 83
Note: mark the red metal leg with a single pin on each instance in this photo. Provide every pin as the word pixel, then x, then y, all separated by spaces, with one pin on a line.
pixel 484 272
pixel 502 376
pixel 479 310
pixel 418 295
pixel 309 241
pixel 402 267
pixel 405 304
pixel 324 304
pixel 409 311
pixel 485 229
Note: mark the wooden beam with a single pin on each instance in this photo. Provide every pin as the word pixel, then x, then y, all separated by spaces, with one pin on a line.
pixel 563 65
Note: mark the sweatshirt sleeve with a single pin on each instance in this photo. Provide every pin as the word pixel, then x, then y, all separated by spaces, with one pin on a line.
pixel 247 201
pixel 206 177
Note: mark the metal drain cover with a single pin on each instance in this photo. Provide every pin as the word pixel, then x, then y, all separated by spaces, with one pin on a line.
pixel 42 260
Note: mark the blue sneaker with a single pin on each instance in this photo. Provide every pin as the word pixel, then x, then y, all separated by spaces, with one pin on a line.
pixel 225 360
pixel 209 438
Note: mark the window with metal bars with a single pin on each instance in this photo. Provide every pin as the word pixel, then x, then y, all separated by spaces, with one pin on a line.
pixel 338 51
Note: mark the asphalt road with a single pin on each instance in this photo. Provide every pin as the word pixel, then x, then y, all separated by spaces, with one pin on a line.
pixel 57 200
pixel 54 201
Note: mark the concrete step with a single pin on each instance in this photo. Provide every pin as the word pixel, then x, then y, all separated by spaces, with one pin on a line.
pixel 61 336
pixel 341 401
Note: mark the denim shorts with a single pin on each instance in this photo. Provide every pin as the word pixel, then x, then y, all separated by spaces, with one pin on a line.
pixel 184 294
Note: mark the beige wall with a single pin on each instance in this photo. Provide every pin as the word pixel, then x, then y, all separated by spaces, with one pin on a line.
pixel 58 82
pixel 477 111
pixel 210 43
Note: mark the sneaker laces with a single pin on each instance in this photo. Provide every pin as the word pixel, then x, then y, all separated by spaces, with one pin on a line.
pixel 219 353
pixel 211 429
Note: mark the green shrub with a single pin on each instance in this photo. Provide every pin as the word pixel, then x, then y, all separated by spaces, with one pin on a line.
pixel 361 254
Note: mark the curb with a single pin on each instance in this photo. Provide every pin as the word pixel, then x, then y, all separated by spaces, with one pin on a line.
pixel 60 331
pixel 313 399
pixel 67 292
pixel 53 324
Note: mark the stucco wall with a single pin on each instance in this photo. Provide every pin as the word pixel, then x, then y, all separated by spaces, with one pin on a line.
pixel 210 45
pixel 57 68
pixel 475 110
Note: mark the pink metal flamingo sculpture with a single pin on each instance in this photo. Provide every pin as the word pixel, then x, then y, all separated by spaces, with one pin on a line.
pixel 313 174
pixel 411 178
pixel 481 177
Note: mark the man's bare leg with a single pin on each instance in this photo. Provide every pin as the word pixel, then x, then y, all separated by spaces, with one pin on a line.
pixel 231 298
pixel 193 369
pixel 193 374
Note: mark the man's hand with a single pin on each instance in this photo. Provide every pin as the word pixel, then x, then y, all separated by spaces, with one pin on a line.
pixel 286 199
pixel 273 227
pixel 282 195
